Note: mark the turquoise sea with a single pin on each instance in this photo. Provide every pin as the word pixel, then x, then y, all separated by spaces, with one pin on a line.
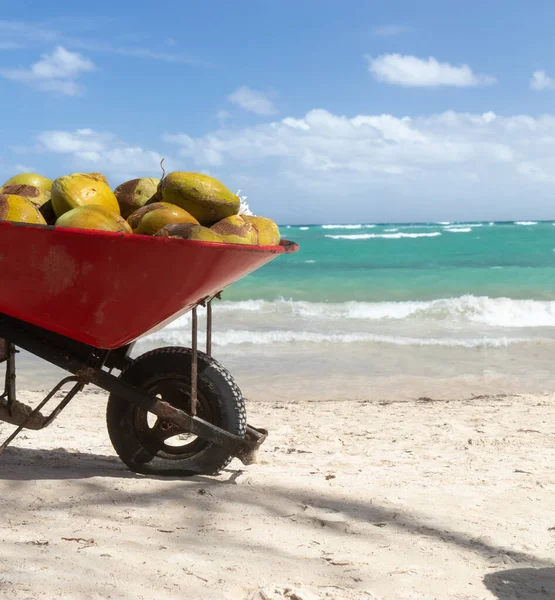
pixel 392 262
pixel 445 284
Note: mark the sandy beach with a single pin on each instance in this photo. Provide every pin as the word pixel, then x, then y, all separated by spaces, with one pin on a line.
pixel 356 495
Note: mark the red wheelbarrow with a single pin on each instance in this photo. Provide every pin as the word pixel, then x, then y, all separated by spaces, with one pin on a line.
pixel 81 299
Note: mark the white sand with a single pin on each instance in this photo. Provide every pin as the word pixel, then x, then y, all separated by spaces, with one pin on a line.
pixel 351 499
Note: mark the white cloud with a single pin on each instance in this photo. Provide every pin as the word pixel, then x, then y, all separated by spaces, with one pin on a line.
pixel 88 149
pixel 24 168
pixel 54 72
pixel 412 71
pixel 253 101
pixel 389 30
pixel 456 165
pixel 74 141
pixel 541 81
pixel 364 144
pixel 324 166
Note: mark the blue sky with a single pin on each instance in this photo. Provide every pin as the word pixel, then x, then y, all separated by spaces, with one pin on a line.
pixel 317 111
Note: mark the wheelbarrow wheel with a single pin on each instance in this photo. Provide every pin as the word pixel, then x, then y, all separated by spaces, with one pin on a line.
pixel 147 444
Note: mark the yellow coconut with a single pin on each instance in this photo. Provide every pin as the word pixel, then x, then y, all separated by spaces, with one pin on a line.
pixel 136 193
pixel 19 209
pixel 36 195
pixel 79 189
pixel 93 216
pixel 268 231
pixel 207 199
pixel 97 177
pixel 189 231
pixel 236 230
pixel 149 219
pixel 31 179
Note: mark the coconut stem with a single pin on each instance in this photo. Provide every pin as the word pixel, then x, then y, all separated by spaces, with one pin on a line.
pixel 163 170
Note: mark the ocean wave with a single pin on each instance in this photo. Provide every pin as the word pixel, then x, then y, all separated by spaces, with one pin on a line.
pixel 455 225
pixel 389 236
pixel 526 222
pixel 304 228
pixel 358 226
pixel 443 222
pixel 495 312
pixel 459 229
pixel 391 230
pixel 234 337
pixel 419 226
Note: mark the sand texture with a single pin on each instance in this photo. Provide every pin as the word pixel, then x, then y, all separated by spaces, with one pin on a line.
pixel 371 498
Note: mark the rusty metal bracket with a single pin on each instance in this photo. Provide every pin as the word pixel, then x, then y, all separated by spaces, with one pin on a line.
pixel 194 363
pixel 207 303
pixel 26 417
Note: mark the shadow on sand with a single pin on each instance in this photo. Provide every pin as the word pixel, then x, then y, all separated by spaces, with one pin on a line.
pixel 28 464
pixel 522 584
pixel 23 464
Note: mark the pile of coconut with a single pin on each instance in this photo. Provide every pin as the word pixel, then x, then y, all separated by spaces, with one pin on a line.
pixel 186 205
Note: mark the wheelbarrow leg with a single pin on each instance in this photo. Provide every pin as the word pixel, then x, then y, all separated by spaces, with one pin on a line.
pixel 209 328
pixel 9 387
pixel 194 349
pixel 194 364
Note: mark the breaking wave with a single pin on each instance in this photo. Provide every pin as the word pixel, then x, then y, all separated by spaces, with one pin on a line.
pixel 242 336
pixel 390 236
pixel 495 312
pixel 358 226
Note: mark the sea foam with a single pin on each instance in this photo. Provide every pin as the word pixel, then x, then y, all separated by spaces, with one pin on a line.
pixel 494 312
pixel 234 337
pixel 389 236
pixel 358 226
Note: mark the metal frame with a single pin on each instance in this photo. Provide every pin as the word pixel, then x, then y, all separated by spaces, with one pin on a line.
pixel 90 365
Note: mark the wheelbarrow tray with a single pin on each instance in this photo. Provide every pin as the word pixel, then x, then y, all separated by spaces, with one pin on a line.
pixel 109 289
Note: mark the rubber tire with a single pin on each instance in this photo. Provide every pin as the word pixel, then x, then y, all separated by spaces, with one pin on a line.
pixel 214 382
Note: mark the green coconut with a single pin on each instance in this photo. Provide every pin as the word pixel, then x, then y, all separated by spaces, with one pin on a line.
pixel 207 199
pixel 19 209
pixel 36 195
pixel 149 219
pixel 30 179
pixel 136 193
pixel 236 230
pixel 93 216
pixel 267 230
pixel 80 189
pixel 189 231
